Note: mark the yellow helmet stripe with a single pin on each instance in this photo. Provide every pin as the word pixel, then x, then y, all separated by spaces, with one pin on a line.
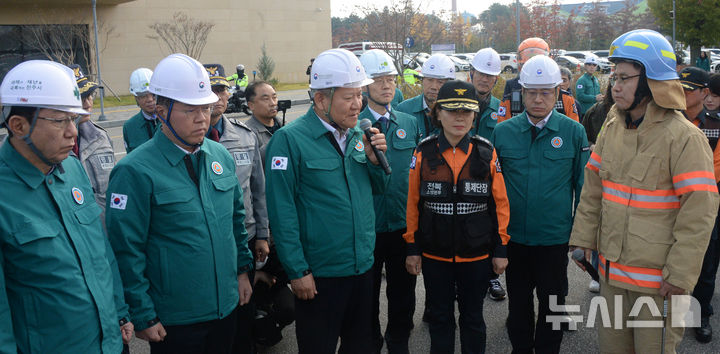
pixel 636 44
pixel 668 54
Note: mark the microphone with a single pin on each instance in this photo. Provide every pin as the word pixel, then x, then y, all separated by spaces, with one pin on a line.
pixel 365 125
pixel 579 255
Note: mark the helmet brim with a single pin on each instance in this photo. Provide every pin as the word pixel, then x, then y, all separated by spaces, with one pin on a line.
pixel 69 109
pixel 209 99
pixel 358 84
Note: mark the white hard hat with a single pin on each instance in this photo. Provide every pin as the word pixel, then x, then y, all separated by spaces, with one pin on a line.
pixel 42 84
pixel 140 81
pixel 337 68
pixel 540 72
pixel 591 59
pixel 182 79
pixel 438 66
pixel 377 63
pixel 487 61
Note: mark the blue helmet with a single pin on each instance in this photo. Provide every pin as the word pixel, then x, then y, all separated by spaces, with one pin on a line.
pixel 650 49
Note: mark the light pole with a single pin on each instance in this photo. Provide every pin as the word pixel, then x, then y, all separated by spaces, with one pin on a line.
pixel 97 64
pixel 517 21
pixel 673 18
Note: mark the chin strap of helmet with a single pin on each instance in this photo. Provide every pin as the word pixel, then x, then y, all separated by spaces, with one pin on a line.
pixel 642 91
pixel 166 121
pixel 32 146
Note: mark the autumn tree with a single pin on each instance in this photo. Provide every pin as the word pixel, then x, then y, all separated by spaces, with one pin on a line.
pixel 697 22
pixel 599 28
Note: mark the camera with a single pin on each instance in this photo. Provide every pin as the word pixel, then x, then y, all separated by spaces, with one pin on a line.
pixel 283 105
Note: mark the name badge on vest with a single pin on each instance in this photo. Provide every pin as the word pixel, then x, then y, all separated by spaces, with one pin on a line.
pixel 107 162
pixel 242 158
pixel 475 188
pixel 434 189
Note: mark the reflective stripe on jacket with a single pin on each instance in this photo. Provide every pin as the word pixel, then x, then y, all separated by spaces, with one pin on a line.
pixel 649 201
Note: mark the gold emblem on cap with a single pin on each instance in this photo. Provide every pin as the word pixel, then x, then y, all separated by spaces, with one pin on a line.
pixel 77 71
pixel 684 75
pixel 212 70
pixel 461 92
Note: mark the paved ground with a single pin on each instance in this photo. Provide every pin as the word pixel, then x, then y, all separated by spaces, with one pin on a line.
pixel 584 340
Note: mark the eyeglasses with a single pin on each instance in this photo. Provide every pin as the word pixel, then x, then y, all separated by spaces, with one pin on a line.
pixel 543 94
pixel 614 79
pixel 385 80
pixel 204 110
pixel 62 123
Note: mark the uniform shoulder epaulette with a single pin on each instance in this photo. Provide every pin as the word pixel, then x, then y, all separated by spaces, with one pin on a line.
pixel 237 122
pixel 427 139
pixel 481 140
pixel 97 125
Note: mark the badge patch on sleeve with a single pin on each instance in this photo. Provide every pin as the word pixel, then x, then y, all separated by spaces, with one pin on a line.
pixel 118 201
pixel 279 163
pixel 580 86
pixel 107 161
pixel 585 148
pixel 242 158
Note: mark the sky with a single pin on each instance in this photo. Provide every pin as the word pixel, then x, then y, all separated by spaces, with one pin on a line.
pixel 343 8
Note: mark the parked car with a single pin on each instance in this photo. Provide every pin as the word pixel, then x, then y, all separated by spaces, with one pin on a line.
pixel 604 65
pixel 508 62
pixel 460 65
pixel 602 53
pixel 569 62
pixel 715 66
pixel 464 56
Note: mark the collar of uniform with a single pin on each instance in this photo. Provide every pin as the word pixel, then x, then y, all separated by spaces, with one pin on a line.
pixel 463 145
pixel 89 132
pixel 147 116
pixel 318 129
pixel 494 103
pixel 220 125
pixel 24 169
pixel 173 153
pixel 260 125
pixel 376 115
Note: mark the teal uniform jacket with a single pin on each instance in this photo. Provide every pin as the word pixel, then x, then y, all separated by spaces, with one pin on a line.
pixel 319 202
pixel 397 98
pixel 138 130
pixel 402 137
pixel 586 88
pixel 179 247
pixel 542 177
pixel 485 122
pixel 59 285
pixel 414 107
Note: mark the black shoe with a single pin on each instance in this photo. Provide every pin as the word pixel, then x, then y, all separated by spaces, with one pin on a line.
pixel 496 291
pixel 703 334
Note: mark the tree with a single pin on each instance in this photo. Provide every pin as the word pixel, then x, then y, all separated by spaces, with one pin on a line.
pixel 599 34
pixel 182 34
pixel 266 66
pixel 696 21
pixel 69 43
pixel 626 19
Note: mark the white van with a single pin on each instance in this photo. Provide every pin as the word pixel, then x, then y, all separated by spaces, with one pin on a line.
pixel 358 48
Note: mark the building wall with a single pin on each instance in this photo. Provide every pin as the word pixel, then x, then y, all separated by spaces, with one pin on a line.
pixel 293 31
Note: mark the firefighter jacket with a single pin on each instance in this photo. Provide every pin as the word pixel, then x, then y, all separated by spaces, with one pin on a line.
pixel 710 125
pixel 457 208
pixel 544 176
pixel 587 88
pixel 138 130
pixel 416 107
pixel 512 105
pixel 485 121
pixel 649 202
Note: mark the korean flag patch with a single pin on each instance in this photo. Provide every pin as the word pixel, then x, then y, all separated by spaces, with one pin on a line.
pixel 501 111
pixel 118 201
pixel 279 163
